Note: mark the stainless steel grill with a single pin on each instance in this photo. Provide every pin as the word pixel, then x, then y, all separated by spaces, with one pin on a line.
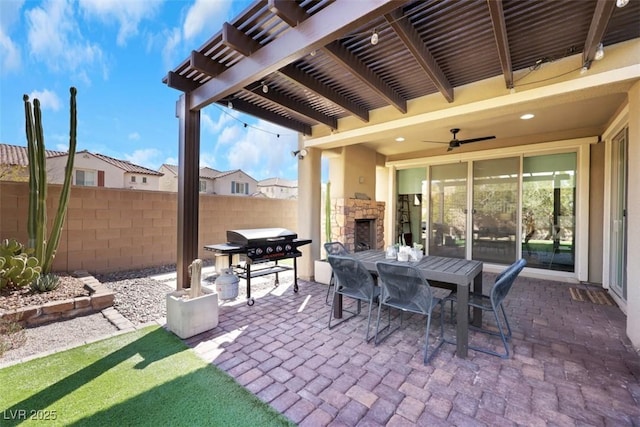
pixel 261 245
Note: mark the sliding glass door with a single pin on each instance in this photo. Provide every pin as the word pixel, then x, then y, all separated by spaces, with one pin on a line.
pixel 448 210
pixel 548 205
pixel 508 208
pixel 495 209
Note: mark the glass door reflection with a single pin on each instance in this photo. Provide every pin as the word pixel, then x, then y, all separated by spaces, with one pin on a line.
pixel 448 210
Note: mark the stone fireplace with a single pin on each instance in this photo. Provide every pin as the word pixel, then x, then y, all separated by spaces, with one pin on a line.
pixel 358 223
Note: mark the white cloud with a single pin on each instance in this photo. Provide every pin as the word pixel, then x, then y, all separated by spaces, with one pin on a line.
pixel 170 48
pixel 262 154
pixel 134 136
pixel 54 37
pixel 214 127
pixel 10 55
pixel 48 100
pixel 171 161
pixel 147 157
pixel 9 51
pixel 203 16
pixel 128 14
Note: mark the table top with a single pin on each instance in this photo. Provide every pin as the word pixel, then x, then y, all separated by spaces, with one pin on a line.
pixel 442 269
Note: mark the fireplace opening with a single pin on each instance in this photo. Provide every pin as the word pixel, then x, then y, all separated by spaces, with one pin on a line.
pixel 365 234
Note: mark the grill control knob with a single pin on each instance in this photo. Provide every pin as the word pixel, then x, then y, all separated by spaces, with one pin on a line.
pixel 269 249
pixel 287 248
pixel 258 251
pixel 278 248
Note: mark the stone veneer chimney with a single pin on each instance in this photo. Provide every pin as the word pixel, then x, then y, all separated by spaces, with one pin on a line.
pixel 345 212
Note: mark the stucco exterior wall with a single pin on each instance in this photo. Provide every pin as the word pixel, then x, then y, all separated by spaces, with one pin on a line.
pixel 633 215
pixel 120 229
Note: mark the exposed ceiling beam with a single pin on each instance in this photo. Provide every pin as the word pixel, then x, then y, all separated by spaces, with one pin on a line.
pixel 502 42
pixel 206 65
pixel 288 11
pixel 235 39
pixel 420 52
pixel 359 69
pixel 261 113
pixel 601 16
pixel 334 21
pixel 298 107
pixel 324 91
pixel 176 81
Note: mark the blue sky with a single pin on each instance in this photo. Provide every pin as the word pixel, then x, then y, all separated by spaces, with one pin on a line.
pixel 116 53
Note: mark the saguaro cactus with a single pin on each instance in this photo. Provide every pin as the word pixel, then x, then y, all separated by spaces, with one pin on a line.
pixel 45 250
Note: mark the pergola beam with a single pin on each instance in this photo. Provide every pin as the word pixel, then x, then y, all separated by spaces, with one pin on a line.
pixel 261 113
pixel 206 65
pixel 176 81
pixel 502 42
pixel 238 41
pixel 601 16
pixel 330 23
pixel 360 70
pixel 288 11
pixel 298 107
pixel 411 39
pixel 324 91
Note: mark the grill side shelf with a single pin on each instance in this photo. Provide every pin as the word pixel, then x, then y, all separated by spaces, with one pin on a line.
pixel 242 273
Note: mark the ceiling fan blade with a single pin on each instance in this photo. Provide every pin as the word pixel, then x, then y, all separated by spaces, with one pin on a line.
pixel 436 142
pixel 483 138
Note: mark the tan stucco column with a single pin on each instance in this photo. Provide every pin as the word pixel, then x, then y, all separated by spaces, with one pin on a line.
pixel 633 219
pixel 309 191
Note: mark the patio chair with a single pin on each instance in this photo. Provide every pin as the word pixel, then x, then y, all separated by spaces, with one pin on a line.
pixel 333 248
pixel 353 281
pixel 494 303
pixel 404 288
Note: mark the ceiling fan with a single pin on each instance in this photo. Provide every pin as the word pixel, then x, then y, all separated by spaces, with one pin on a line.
pixel 455 142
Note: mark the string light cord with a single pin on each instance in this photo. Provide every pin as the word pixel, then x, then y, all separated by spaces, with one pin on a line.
pixel 247 125
pixel 547 79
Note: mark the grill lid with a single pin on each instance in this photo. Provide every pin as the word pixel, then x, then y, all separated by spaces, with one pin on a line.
pixel 254 236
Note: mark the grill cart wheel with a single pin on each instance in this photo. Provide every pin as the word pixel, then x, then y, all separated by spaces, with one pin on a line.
pixel 250 301
pixel 295 288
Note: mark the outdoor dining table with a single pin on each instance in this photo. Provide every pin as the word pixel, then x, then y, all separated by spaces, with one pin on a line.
pixel 440 272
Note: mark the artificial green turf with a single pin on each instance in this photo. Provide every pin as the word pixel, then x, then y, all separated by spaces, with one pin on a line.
pixel 146 377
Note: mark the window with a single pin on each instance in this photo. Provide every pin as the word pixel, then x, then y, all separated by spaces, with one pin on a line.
pixel 86 178
pixel 203 186
pixel 144 179
pixel 133 179
pixel 239 187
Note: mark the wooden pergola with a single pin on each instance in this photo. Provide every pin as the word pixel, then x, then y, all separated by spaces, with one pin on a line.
pixel 324 72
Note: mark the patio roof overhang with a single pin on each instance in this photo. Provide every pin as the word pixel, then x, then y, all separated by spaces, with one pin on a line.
pixel 325 78
pixel 437 64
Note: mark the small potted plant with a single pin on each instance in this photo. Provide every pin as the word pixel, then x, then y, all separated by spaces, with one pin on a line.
pixel 322 268
pixel 192 311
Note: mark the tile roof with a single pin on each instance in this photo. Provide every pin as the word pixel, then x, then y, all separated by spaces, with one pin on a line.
pixel 16 155
pixel 125 165
pixel 278 182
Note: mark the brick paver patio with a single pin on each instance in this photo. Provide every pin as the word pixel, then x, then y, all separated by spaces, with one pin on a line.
pixel 571 364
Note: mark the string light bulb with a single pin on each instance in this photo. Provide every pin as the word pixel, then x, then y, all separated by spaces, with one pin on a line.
pixel 265 88
pixel 599 52
pixel 374 38
pixel 622 3
pixel 230 105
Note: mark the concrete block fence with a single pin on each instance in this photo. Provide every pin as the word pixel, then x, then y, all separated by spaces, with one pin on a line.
pixel 109 230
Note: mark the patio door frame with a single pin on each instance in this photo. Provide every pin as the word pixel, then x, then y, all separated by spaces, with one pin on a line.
pixel 612 263
pixel 579 145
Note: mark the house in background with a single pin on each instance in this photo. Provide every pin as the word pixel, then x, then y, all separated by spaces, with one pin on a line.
pixel 279 188
pixel 14 162
pixel 212 181
pixel 89 169
pixel 98 170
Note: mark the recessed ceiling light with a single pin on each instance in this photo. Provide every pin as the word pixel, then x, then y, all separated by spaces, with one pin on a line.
pixel 527 116
pixel 399 139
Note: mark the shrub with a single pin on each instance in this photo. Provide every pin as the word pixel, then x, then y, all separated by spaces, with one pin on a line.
pixel 17 267
pixel 45 283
